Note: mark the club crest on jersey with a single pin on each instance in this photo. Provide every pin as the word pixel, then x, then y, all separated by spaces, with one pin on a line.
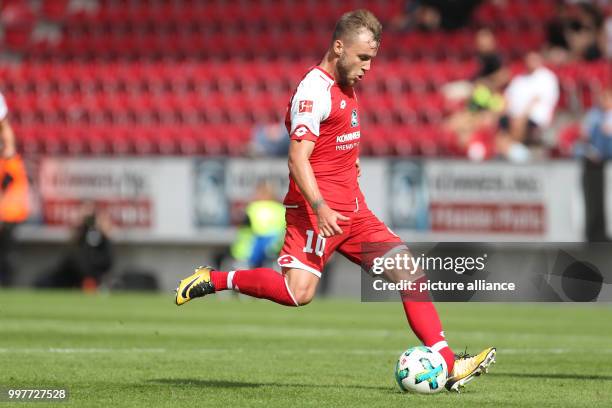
pixel 343 104
pixel 354 119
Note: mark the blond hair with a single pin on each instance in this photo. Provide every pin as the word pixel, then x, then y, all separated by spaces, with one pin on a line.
pixel 350 23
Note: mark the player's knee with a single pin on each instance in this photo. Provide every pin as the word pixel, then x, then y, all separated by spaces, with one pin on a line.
pixel 302 285
pixel 303 294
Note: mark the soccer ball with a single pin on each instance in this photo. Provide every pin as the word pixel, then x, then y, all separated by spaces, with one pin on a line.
pixel 422 370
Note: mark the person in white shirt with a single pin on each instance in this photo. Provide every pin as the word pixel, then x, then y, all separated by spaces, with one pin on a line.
pixel 530 101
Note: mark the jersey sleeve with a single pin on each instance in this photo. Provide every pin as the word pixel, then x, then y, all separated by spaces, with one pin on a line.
pixel 3 108
pixel 311 105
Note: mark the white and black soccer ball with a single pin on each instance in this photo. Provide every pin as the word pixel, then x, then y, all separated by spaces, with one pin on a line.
pixel 422 370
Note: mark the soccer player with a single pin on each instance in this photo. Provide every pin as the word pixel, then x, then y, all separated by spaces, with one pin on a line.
pixel 325 208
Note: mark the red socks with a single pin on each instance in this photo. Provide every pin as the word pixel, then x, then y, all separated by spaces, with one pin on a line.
pixel 262 283
pixel 425 323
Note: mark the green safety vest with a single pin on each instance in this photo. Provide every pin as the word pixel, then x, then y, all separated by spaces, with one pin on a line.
pixel 266 218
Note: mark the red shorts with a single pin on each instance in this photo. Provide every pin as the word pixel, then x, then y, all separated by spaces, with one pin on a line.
pixel 304 249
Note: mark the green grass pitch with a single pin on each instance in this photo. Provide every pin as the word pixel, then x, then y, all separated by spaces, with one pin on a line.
pixel 141 350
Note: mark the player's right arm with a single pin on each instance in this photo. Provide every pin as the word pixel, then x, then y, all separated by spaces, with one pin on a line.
pixel 311 105
pixel 303 175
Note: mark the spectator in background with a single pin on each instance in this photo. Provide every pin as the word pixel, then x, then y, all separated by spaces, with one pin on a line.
pixel 491 70
pixel 14 206
pixel 576 33
pixel 270 140
pixel 584 38
pixel 606 36
pixel 597 127
pixel 596 150
pixel 556 34
pixel 483 96
pixel 434 15
pixel 261 236
pixel 90 256
pixel 530 101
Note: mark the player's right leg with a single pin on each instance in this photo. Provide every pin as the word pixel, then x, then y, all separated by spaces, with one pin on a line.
pixel 301 284
pixel 195 285
pixel 303 256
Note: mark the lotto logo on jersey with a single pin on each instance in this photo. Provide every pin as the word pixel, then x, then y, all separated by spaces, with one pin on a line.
pixel 300 131
pixel 304 106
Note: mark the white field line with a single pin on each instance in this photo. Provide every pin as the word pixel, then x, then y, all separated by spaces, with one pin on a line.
pixel 44 326
pixel 77 350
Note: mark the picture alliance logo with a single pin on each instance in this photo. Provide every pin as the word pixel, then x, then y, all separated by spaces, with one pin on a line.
pixel 412 264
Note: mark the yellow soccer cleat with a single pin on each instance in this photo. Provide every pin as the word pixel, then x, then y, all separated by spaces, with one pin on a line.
pixel 196 285
pixel 467 367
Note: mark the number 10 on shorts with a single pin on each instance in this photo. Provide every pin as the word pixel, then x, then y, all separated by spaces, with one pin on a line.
pixel 319 246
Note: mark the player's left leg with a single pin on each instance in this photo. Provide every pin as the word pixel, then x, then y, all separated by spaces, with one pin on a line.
pixel 422 316
pixel 424 321
pixel 467 367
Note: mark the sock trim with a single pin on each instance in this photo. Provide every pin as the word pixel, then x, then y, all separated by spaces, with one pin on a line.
pixel 439 346
pixel 230 280
pixel 290 293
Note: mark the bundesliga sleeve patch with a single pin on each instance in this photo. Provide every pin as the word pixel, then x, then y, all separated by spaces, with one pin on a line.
pixel 305 106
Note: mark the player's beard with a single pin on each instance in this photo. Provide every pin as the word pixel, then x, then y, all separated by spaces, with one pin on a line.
pixel 343 71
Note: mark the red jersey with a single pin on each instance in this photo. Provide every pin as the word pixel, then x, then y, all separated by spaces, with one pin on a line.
pixel 325 113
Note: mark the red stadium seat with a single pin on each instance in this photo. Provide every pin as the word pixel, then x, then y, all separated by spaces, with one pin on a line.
pixel 54 10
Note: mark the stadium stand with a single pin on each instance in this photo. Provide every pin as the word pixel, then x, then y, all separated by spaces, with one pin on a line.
pixel 191 77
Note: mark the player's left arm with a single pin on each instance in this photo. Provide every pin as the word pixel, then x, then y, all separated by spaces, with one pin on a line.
pixel 358 165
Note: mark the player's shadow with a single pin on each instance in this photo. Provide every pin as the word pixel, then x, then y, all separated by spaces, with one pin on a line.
pixel 193 382
pixel 556 376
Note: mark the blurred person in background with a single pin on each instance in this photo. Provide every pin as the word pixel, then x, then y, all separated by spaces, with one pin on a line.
pixel 14 205
pixel 576 33
pixel 596 149
pixel 606 36
pixel 556 34
pixel 597 128
pixel 260 237
pixel 433 15
pixel 482 95
pixel 530 102
pixel 270 140
pixel 90 256
pixel 585 36
pixel 492 72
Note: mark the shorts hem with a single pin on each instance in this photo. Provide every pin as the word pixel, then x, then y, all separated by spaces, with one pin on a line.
pixel 289 261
